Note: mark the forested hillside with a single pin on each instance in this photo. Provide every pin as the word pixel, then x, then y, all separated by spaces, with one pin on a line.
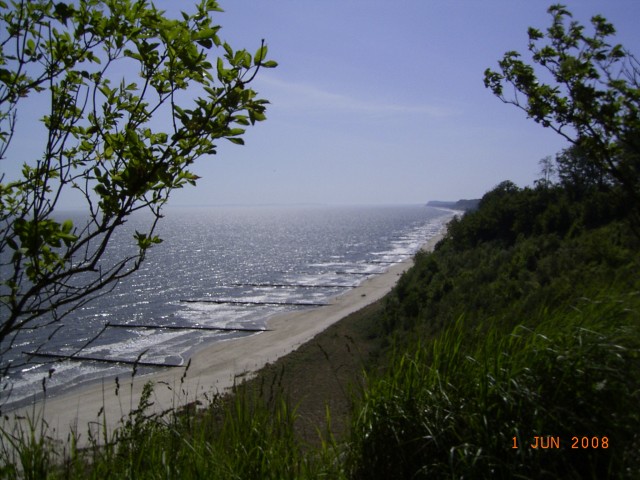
pixel 524 323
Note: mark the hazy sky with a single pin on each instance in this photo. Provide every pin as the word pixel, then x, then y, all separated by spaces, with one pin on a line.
pixel 381 102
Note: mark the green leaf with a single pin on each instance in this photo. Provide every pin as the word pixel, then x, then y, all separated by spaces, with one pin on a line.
pixel 5 75
pixel 209 33
pixel 228 49
pixel 101 190
pixel 260 55
pixel 205 42
pixel 145 241
pixel 63 12
pixel 67 238
pixel 256 116
pixel 12 243
pixel 220 67
pixel 67 226
pixel 235 131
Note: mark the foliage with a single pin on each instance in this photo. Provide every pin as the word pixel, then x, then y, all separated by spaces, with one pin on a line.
pixel 592 97
pixel 526 320
pixel 452 407
pixel 102 147
pixel 521 250
pixel 577 174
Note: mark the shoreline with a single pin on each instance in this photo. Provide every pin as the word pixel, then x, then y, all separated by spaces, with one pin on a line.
pixel 213 370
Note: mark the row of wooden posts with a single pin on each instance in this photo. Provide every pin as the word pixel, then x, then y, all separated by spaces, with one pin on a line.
pixel 138 362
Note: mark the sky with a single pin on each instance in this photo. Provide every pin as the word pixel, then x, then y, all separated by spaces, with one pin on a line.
pixel 380 102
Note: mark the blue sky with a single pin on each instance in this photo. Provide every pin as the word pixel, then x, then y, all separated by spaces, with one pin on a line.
pixel 380 102
pixel 384 102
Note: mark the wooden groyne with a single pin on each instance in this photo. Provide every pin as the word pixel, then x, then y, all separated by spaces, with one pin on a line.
pixel 290 285
pixel 357 273
pixel 177 327
pixel 250 302
pixel 82 358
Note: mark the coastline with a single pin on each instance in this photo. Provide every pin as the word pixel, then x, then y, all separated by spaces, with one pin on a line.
pixel 213 369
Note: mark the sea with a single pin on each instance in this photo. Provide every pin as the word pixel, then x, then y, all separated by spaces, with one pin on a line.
pixel 229 268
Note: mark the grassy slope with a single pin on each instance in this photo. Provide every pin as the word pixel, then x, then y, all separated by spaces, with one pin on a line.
pixel 536 316
pixel 537 326
pixel 520 268
pixel 323 374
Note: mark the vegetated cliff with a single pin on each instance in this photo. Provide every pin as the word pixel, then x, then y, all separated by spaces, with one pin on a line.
pixel 465 205
pixel 524 323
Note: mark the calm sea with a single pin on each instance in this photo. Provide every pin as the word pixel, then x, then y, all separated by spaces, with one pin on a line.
pixel 259 259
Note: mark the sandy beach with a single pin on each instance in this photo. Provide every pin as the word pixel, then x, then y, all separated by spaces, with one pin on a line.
pixel 213 369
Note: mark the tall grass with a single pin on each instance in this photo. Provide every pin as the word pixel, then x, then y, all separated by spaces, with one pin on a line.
pixel 249 435
pixel 452 408
pixel 25 450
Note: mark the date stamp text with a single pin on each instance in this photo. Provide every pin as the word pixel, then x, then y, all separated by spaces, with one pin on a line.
pixel 553 442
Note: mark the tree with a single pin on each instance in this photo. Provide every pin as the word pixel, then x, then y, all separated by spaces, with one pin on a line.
pixel 577 173
pixel 591 98
pixel 101 142
pixel 547 172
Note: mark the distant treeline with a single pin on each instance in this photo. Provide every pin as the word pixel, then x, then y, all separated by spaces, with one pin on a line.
pixel 459 205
